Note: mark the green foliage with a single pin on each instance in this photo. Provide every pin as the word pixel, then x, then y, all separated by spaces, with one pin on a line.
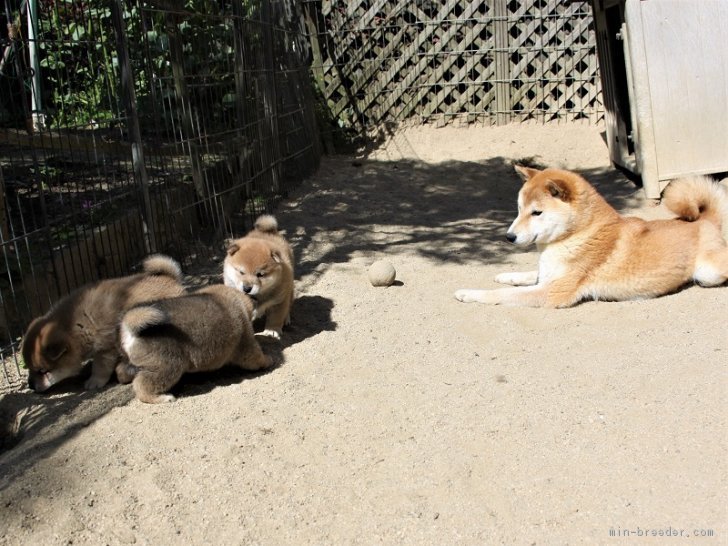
pixel 80 66
pixel 77 55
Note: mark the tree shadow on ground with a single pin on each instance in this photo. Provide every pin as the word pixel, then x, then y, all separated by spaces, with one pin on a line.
pixel 48 420
pixel 451 212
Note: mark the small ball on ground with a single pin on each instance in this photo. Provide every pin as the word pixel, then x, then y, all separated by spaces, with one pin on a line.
pixel 381 273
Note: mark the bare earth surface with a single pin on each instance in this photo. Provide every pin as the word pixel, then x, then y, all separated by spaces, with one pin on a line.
pixel 399 415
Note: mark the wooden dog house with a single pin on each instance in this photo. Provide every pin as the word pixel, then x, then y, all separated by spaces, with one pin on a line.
pixel 664 71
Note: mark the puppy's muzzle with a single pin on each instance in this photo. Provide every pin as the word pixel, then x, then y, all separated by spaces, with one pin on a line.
pixel 511 237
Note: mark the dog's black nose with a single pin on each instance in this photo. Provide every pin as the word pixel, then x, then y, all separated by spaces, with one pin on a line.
pixel 511 237
pixel 247 289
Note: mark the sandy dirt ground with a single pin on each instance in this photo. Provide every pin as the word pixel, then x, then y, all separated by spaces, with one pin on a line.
pixel 400 416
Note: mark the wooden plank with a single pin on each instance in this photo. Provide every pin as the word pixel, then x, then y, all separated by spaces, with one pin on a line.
pixel 502 63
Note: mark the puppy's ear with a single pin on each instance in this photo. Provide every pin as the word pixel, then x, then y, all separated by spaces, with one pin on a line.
pixel 559 190
pixel 30 338
pixel 55 351
pixel 276 256
pixel 55 343
pixel 526 172
pixel 232 248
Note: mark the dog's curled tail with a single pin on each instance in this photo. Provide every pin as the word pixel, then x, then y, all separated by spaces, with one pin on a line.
pixel 143 317
pixel 138 319
pixel 266 223
pixel 697 197
pixel 159 264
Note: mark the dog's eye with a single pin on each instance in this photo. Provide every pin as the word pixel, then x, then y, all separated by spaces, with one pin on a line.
pixel 260 274
pixel 536 212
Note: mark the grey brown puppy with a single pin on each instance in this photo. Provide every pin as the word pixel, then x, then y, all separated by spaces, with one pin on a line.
pixel 200 331
pixel 84 325
pixel 261 265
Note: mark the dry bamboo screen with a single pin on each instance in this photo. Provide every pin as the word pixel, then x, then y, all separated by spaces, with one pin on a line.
pixel 494 61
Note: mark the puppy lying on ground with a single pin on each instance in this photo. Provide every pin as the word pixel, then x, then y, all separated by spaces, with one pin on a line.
pixel 589 251
pixel 84 325
pixel 200 331
pixel 261 265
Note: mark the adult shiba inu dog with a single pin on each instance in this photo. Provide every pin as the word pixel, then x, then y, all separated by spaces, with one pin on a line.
pixel 589 251
pixel 200 331
pixel 85 325
pixel 261 265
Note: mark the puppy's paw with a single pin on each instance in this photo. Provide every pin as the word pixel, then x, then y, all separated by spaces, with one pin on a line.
pixel 271 334
pixel 468 296
pixel 93 383
pixel 158 399
pixel 125 373
pixel 264 362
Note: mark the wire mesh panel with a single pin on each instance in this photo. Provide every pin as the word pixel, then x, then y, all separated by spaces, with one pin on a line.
pixel 492 61
pixel 135 127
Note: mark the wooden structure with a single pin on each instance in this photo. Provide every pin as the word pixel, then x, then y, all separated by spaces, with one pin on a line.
pixel 664 67
pixel 495 61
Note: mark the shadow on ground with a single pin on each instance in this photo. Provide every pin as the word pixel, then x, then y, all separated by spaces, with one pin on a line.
pixel 48 420
pixel 453 212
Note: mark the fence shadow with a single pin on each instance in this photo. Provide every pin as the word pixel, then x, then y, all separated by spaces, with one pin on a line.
pixel 48 421
pixel 451 212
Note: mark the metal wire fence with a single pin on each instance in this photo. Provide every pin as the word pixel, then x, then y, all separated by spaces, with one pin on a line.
pixel 140 126
pixel 136 126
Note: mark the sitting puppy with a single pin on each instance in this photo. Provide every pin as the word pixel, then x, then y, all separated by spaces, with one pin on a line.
pixel 261 265
pixel 200 331
pixel 84 325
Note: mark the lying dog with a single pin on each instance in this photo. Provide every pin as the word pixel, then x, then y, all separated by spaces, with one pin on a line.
pixel 200 331
pixel 84 325
pixel 589 251
pixel 261 265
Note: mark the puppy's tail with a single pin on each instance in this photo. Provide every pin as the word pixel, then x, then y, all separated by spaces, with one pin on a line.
pixel 135 321
pixel 141 318
pixel 159 264
pixel 267 223
pixel 697 197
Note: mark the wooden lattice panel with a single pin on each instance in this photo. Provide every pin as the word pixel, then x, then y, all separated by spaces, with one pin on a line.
pixel 495 61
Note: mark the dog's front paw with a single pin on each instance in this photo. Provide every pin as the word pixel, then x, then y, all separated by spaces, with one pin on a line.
pixel 504 278
pixel 93 383
pixel 159 399
pixel 263 363
pixel 468 296
pixel 125 373
pixel 269 333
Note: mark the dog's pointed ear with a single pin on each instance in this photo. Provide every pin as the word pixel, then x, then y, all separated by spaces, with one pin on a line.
pixel 54 342
pixel 559 190
pixel 276 256
pixel 55 351
pixel 526 172
pixel 232 248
